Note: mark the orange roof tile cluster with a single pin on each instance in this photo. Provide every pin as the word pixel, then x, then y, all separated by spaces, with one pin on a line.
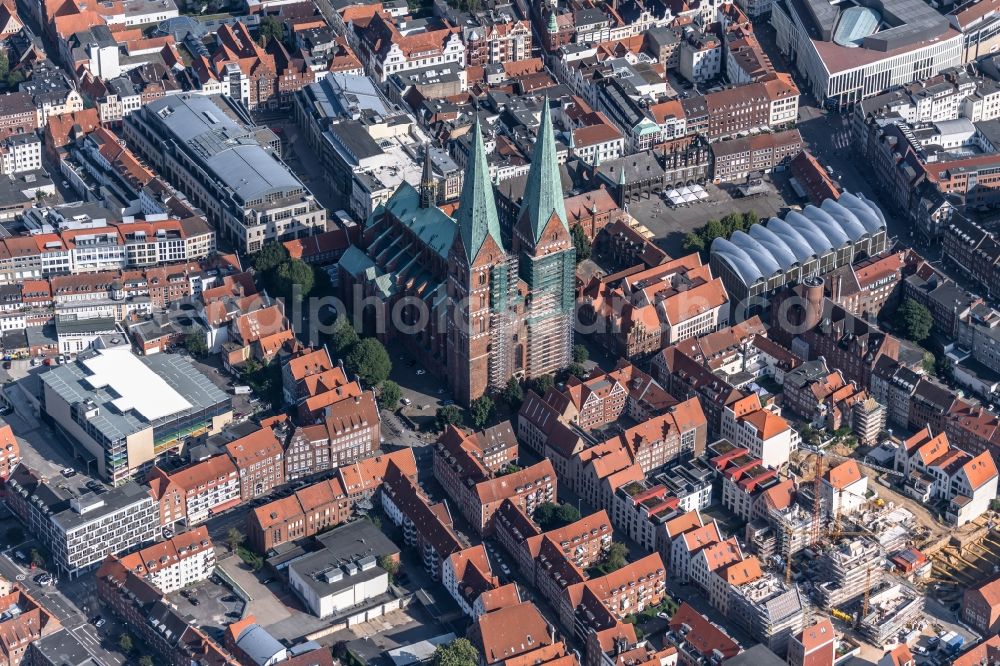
pixel 511 631
pixel 365 475
pixel 660 297
pixel 496 490
pixel 165 554
pixel 703 637
pixel 189 479
pixel 844 474
pixel 259 446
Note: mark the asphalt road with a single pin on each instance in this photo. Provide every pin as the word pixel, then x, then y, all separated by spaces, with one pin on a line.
pixel 97 642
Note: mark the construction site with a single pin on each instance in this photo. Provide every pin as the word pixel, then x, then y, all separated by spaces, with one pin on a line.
pixel 965 559
pixel 872 568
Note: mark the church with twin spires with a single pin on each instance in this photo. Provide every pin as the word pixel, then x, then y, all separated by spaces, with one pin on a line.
pixel 471 308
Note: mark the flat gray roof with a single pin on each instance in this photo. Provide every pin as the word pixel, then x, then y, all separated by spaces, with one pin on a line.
pixel 226 148
pixel 72 383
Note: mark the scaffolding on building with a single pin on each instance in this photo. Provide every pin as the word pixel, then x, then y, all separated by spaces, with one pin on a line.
pixel 503 321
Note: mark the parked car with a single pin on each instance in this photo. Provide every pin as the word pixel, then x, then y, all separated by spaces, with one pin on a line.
pixel 68 472
pixel 406 401
pixel 267 581
pixel 194 601
pixel 99 622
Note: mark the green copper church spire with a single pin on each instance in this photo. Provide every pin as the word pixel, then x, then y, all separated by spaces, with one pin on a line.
pixel 543 193
pixel 477 213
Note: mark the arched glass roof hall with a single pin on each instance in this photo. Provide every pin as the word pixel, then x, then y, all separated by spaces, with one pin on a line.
pixel 776 246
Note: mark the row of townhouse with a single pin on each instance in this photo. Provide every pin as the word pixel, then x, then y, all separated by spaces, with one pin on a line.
pixel 934 470
pixel 174 564
pixel 639 312
pixel 132 243
pixel 315 507
pixel 472 470
pixel 250 467
pixel 770 610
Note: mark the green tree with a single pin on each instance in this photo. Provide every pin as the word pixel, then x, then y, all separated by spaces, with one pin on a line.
pixel 542 384
pixel 481 411
pixel 580 354
pixel 14 535
pixel 37 557
pixel 459 652
pixel 146 660
pixel 4 64
pixel 289 275
pixel 614 559
pixel 513 394
pixel 369 360
pixel 942 366
pixel 15 78
pixel 235 538
pixel 125 643
pixel 914 320
pixel 270 256
pixel 567 513
pixel 389 394
pixel 713 229
pixel 250 558
pixel 928 363
pixel 692 242
pixel 582 244
pixel 343 338
pixel 271 28
pixel 390 565
pixel 577 369
pixel 447 415
pixel 196 342
pixel 550 516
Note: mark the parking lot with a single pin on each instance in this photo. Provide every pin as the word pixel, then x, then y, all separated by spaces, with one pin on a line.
pixel 212 604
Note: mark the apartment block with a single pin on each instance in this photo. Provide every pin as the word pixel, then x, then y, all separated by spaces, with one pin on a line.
pixel 156 622
pixel 23 621
pixel 79 527
pixel 426 526
pixel 192 494
pixel 637 313
pixel 763 433
pixel 631 589
pixel 174 564
pixel 477 490
pixel 815 646
pixel 981 607
pixel 936 470
pixel 849 567
pixel 259 459
pixel 771 611
pixel 736 159
pixel 305 513
pixel 10 450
